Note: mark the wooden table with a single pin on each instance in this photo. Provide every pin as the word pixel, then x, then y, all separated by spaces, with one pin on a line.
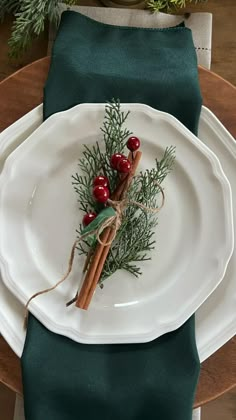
pixel 23 91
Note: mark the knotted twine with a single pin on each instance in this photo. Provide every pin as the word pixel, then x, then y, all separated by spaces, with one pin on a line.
pixel 113 222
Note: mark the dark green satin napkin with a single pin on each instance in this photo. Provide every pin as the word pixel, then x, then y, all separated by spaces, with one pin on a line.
pixel 64 380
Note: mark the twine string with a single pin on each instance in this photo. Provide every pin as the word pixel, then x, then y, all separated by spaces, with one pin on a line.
pixel 113 222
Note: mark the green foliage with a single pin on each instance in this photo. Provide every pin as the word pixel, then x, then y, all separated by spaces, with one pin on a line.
pixel 31 15
pixel 30 18
pixel 114 136
pixel 95 161
pixel 170 6
pixel 134 239
pixel 7 7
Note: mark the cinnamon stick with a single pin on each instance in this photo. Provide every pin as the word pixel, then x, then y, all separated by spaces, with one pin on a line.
pixel 86 264
pixel 97 273
pixel 96 266
pixel 91 270
pixel 93 265
pixel 106 249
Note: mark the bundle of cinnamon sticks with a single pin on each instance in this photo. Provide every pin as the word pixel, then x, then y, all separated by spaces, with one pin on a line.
pixel 97 261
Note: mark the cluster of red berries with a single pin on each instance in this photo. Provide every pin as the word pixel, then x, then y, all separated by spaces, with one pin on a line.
pixel 121 164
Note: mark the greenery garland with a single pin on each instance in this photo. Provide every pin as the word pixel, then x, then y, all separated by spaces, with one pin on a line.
pixel 31 15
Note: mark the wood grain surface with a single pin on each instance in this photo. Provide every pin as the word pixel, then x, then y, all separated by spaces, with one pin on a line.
pixel 23 91
pixel 223 42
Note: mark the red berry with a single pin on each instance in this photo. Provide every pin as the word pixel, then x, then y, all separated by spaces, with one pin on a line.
pixel 101 194
pixel 101 180
pixel 88 218
pixel 124 165
pixel 115 160
pixel 133 143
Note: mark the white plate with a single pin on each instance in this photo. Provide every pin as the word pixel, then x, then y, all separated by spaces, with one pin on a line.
pixel 39 217
pixel 11 310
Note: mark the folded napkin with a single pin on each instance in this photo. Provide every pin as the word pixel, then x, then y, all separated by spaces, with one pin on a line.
pixel 64 380
pixel 199 23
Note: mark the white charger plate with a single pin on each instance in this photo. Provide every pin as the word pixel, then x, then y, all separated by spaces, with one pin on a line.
pixel 33 256
pixel 216 318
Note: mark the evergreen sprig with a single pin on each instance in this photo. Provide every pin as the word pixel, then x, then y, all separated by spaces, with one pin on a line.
pixel 30 18
pixel 114 136
pixel 95 161
pixel 7 7
pixel 134 239
pixel 170 6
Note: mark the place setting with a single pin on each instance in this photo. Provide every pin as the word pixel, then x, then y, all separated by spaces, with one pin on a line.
pixel 117 227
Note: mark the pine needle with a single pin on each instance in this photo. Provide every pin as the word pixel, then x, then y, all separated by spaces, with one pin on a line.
pixel 30 19
pixel 8 7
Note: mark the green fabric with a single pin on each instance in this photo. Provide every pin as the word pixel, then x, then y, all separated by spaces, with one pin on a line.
pixel 64 380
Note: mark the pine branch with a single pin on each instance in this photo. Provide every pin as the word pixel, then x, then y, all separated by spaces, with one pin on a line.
pixel 94 161
pixel 31 16
pixel 8 7
pixel 134 239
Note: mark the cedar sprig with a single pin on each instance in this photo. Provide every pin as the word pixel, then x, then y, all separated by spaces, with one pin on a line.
pixel 90 166
pixel 135 238
pixel 133 244
pixel 94 161
pixel 115 135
